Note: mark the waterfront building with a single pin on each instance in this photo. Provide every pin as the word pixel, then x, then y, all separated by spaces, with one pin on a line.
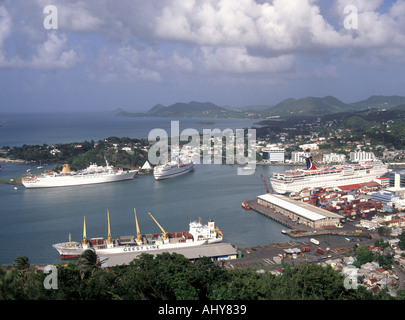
pixel 297 156
pixel 273 154
pixel 397 179
pixel 301 212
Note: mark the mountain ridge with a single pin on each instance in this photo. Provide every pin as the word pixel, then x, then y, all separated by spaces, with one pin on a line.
pixel 290 107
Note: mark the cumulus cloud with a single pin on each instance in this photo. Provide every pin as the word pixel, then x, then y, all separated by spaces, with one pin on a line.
pixel 53 53
pixel 243 36
pixel 130 64
pixel 237 60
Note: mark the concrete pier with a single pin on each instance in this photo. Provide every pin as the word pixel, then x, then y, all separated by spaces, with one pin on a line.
pixel 297 230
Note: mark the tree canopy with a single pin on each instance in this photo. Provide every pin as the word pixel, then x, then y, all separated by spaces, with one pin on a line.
pixel 172 277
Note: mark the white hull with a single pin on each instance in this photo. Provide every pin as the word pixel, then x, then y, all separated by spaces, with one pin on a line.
pixel 77 178
pixel 171 171
pixel 198 235
pixel 315 179
pixel 76 249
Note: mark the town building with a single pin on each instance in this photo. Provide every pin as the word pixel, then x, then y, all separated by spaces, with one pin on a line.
pixel 297 156
pixel 310 146
pixel 273 154
pixel 334 158
pixel 361 156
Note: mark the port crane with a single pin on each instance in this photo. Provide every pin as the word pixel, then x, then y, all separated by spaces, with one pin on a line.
pixel 138 232
pixel 165 237
pixel 109 239
pixel 265 184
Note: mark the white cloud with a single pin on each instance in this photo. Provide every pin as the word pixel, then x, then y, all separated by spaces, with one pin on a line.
pixel 50 54
pixel 243 36
pixel 237 60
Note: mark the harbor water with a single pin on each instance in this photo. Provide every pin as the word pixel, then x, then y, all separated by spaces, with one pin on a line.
pixel 31 220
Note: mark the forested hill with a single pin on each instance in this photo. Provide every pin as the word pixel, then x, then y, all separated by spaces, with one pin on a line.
pixel 291 107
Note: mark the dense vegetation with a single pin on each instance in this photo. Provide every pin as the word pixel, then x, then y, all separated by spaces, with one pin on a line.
pixel 80 155
pixel 173 277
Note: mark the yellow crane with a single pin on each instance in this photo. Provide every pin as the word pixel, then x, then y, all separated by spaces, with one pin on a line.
pixel 109 239
pixel 163 230
pixel 138 232
pixel 84 241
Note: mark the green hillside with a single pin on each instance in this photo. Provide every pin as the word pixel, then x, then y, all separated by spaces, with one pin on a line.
pixel 309 106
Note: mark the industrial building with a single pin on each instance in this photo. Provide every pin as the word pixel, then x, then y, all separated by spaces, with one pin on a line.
pixel 300 212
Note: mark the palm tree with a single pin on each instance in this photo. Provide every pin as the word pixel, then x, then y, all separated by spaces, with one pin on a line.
pixel 89 260
pixel 21 263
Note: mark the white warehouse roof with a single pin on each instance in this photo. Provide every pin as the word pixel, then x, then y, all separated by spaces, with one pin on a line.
pixel 288 205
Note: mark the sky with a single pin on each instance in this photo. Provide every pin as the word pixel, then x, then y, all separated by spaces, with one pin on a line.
pixel 100 55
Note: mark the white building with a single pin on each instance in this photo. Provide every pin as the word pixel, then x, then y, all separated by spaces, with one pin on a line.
pixel 310 146
pixel 334 158
pixel 273 154
pixel 296 156
pixel 361 156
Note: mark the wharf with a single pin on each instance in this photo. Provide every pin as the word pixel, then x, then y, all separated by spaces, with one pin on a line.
pixel 297 230
pixel 278 217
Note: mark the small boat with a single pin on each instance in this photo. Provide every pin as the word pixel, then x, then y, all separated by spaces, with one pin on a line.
pixel 246 206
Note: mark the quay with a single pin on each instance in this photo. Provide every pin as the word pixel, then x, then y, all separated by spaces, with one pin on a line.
pixel 302 219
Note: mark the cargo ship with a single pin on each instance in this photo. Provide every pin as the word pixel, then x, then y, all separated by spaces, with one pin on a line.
pixel 313 177
pixel 93 174
pixel 172 169
pixel 197 235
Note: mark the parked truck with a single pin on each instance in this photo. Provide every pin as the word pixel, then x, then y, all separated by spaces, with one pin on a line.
pixel 320 251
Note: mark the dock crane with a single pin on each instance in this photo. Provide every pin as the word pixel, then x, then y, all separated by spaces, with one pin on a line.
pixel 138 232
pixel 84 241
pixel 109 239
pixel 265 184
pixel 165 237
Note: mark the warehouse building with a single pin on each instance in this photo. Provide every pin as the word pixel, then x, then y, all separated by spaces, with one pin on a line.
pixel 301 212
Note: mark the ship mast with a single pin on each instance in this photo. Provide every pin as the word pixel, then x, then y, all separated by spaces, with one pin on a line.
pixel 164 232
pixel 138 232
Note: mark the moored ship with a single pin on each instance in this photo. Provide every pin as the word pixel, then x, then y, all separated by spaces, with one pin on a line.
pixel 93 174
pixel 197 235
pixel 313 177
pixel 172 169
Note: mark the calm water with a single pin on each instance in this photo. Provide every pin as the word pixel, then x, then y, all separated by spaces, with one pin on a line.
pixel 31 220
pixel 17 130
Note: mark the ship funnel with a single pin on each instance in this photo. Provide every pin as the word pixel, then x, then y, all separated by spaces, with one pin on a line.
pixel 309 162
pixel 66 168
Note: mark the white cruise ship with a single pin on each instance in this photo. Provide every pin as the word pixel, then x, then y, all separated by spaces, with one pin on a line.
pixel 92 175
pixel 197 235
pixel 323 177
pixel 172 169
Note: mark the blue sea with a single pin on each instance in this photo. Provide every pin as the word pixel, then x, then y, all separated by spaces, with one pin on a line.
pixel 31 220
